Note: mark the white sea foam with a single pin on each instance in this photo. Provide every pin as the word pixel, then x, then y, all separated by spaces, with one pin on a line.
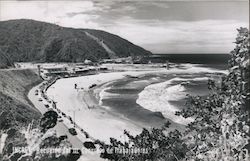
pixel 200 79
pixel 195 68
pixel 156 98
pixel 104 95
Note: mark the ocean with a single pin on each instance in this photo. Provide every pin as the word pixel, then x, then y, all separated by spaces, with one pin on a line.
pixel 192 58
pixel 152 99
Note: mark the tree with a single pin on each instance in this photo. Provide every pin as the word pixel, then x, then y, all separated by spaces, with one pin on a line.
pixel 153 144
pixel 48 120
pixel 221 127
pixel 74 156
pixel 6 120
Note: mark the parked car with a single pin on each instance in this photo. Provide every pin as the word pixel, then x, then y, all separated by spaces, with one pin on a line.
pixel 70 119
pixel 63 137
pixel 60 120
pixel 47 106
pixel 40 99
pixel 86 134
pixel 89 145
pixel 92 86
pixel 72 131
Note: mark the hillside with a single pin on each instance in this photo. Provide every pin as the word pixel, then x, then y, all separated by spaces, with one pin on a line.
pixel 14 86
pixel 16 83
pixel 16 112
pixel 4 61
pixel 29 40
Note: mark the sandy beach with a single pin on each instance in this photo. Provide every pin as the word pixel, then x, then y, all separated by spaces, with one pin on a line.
pixel 83 104
pixel 100 122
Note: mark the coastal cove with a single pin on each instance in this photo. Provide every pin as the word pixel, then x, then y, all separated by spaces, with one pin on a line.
pixel 115 103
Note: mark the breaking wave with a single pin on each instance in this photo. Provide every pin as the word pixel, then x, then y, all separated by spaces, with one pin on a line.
pixel 157 97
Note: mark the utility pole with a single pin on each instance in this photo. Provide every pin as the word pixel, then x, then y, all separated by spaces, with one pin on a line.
pixel 39 70
pixel 74 115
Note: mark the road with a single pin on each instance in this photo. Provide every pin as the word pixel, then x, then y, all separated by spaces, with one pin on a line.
pixel 61 128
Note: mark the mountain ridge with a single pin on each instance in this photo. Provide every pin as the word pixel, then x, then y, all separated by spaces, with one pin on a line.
pixel 29 40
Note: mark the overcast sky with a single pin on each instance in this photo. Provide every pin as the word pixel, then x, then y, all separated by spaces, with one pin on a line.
pixel 159 26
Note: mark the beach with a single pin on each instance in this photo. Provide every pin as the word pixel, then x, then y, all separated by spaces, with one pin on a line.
pixel 103 112
pixel 99 122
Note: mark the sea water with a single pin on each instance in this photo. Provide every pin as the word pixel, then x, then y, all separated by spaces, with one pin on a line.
pixel 155 98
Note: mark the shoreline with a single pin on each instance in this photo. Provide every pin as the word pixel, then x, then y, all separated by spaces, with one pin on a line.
pixel 99 115
pixel 145 117
pixel 96 96
pixel 172 75
pixel 93 120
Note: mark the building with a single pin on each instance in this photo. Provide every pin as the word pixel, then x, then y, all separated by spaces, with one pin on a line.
pixel 54 71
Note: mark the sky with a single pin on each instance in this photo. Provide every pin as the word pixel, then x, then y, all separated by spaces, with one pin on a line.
pixel 161 26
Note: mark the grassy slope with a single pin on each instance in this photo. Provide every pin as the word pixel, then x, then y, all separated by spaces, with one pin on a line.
pixel 14 86
pixel 16 83
pixel 14 104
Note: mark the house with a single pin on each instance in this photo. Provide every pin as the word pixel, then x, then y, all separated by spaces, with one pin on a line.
pixel 54 71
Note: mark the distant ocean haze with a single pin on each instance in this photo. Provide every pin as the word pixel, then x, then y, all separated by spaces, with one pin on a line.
pixel 204 58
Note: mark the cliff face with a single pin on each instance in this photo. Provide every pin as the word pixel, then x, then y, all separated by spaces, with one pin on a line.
pixel 28 40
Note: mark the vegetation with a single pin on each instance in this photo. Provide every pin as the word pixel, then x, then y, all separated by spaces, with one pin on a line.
pixel 15 84
pixel 16 111
pixel 221 127
pixel 29 40
pixel 48 120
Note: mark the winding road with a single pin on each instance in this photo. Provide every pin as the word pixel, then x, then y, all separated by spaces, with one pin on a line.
pixel 61 128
